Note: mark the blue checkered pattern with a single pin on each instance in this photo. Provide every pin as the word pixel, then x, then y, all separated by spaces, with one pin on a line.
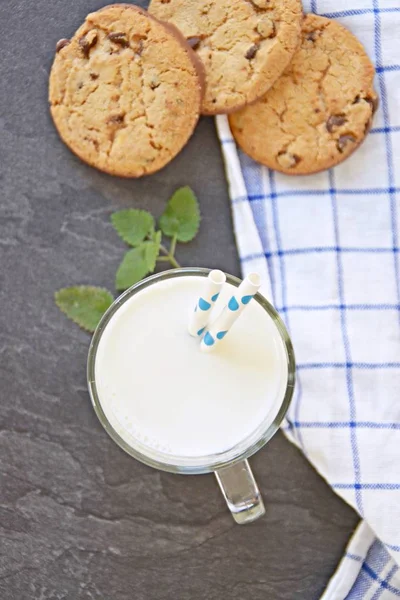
pixel 327 247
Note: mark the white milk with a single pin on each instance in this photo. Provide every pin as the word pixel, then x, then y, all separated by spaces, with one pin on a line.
pixel 156 386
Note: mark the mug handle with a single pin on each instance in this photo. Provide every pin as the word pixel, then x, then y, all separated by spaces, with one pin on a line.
pixel 241 493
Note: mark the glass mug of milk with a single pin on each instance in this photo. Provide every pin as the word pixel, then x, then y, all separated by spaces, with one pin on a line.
pixel 178 409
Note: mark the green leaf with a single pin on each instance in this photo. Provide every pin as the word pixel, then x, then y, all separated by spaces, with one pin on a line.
pixel 138 262
pixel 133 225
pixel 152 250
pixel 181 217
pixel 84 304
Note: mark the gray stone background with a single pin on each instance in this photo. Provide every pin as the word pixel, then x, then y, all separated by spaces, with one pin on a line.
pixel 79 519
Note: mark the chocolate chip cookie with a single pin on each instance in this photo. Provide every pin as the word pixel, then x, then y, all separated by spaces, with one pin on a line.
pixel 125 91
pixel 319 111
pixel 244 44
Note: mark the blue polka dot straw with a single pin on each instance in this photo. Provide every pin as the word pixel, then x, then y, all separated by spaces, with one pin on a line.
pixel 202 311
pixel 232 311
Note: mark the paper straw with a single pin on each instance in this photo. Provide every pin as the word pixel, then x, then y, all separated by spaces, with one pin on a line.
pixel 232 311
pixel 202 312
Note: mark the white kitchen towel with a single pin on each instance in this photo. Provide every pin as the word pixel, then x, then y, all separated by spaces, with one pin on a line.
pixel 327 246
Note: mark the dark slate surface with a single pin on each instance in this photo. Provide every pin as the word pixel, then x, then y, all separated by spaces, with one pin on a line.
pixel 79 519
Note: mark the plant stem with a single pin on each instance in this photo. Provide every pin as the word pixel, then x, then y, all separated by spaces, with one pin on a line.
pixel 168 256
pixel 172 247
pixel 163 249
pixel 174 262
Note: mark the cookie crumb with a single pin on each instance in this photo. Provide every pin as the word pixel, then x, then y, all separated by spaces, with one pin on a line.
pixel 266 28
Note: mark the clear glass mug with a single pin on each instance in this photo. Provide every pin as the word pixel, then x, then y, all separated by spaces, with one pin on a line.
pixel 231 467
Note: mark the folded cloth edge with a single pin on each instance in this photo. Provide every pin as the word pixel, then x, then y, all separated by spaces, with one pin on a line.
pixel 362 539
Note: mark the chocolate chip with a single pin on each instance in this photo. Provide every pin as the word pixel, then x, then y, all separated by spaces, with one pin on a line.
pixel 288 160
pixel 335 121
pixel 311 36
pixel 193 42
pixel 139 48
pixel 119 38
pixel 84 47
pixel 343 141
pixel 374 102
pixel 252 51
pixel 138 43
pixel 115 119
pixel 87 42
pixel 262 3
pixel 61 44
pixel 94 76
pixel 154 82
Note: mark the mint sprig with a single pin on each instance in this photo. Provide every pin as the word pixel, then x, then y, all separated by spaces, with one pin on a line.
pixel 181 218
pixel 85 305
pixel 133 225
pixel 138 262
